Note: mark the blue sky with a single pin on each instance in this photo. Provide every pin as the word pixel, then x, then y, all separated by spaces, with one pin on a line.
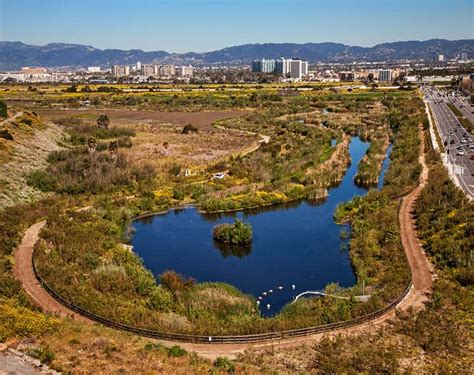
pixel 204 25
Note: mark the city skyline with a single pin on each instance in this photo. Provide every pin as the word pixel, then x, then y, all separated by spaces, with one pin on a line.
pixel 183 25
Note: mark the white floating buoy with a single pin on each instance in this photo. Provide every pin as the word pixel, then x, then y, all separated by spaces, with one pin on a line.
pixel 260 297
pixel 258 303
pixel 264 293
pixel 268 307
pixel 293 287
pixel 270 291
pixel 280 287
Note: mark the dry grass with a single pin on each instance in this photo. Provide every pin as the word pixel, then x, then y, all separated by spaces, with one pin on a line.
pixel 26 152
pixel 82 349
pixel 185 149
pixel 202 120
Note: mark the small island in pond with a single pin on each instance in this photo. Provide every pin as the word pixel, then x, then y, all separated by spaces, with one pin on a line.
pixel 238 233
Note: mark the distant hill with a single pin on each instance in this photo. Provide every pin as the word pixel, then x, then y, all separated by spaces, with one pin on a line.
pixel 14 55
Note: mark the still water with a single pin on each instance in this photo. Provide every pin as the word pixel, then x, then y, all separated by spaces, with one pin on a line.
pixel 294 244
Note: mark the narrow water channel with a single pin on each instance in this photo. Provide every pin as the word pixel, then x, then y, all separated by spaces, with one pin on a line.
pixel 294 244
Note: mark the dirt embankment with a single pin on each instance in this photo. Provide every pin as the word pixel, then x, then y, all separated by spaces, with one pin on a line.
pixel 25 144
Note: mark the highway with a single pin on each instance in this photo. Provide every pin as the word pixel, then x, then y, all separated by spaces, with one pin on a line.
pixel 452 133
pixel 464 107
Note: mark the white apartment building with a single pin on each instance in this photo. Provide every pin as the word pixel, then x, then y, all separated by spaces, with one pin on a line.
pixel 150 70
pixel 167 70
pixel 120 70
pixel 185 71
pixel 385 75
pixel 93 69
pixel 298 69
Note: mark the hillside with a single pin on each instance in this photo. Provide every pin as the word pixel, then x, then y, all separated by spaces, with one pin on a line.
pixel 25 142
pixel 14 55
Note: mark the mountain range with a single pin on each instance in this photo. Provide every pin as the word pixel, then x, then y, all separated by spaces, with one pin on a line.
pixel 14 55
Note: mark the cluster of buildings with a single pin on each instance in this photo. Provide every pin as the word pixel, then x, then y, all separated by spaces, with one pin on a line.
pixel 294 69
pixel 152 70
pixel 281 70
pixel 367 75
pixel 35 74
pixel 462 57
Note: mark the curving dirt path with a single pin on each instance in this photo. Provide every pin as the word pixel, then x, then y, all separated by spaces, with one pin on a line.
pixel 422 277
pixel 23 271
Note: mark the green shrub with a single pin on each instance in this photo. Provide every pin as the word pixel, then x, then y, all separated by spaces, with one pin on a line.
pixel 45 355
pixel 188 129
pixel 161 299
pixel 238 233
pixel 3 109
pixel 78 171
pixel 224 363
pixel 178 194
pixel 176 351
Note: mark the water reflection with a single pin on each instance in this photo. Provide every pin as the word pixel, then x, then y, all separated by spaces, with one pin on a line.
pixel 238 251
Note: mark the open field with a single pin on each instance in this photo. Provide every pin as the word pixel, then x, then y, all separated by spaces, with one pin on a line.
pixel 202 120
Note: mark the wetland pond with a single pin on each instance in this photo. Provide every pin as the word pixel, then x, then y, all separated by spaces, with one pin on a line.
pixel 293 244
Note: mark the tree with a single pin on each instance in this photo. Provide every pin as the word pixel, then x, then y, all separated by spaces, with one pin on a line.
pixel 103 122
pixel 175 283
pixel 71 89
pixel 3 109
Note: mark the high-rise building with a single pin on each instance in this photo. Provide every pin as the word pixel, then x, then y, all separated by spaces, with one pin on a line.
pixel 385 75
pixel 263 66
pixel 185 71
pixel 440 58
pixel 463 56
pixel 149 70
pixel 282 66
pixel 167 70
pixel 304 68
pixel 120 70
pixel 139 66
pixel 298 69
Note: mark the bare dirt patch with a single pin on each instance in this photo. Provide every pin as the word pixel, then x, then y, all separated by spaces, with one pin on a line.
pixel 201 120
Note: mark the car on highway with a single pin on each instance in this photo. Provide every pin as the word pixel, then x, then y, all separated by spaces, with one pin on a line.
pixel 471 157
pixel 452 142
pixel 471 146
pixel 460 152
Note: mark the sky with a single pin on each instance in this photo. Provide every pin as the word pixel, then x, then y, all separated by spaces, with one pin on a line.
pixel 205 25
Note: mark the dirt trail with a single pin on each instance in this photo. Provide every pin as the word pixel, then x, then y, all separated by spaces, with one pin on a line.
pixel 23 271
pixel 422 277
pixel 422 270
